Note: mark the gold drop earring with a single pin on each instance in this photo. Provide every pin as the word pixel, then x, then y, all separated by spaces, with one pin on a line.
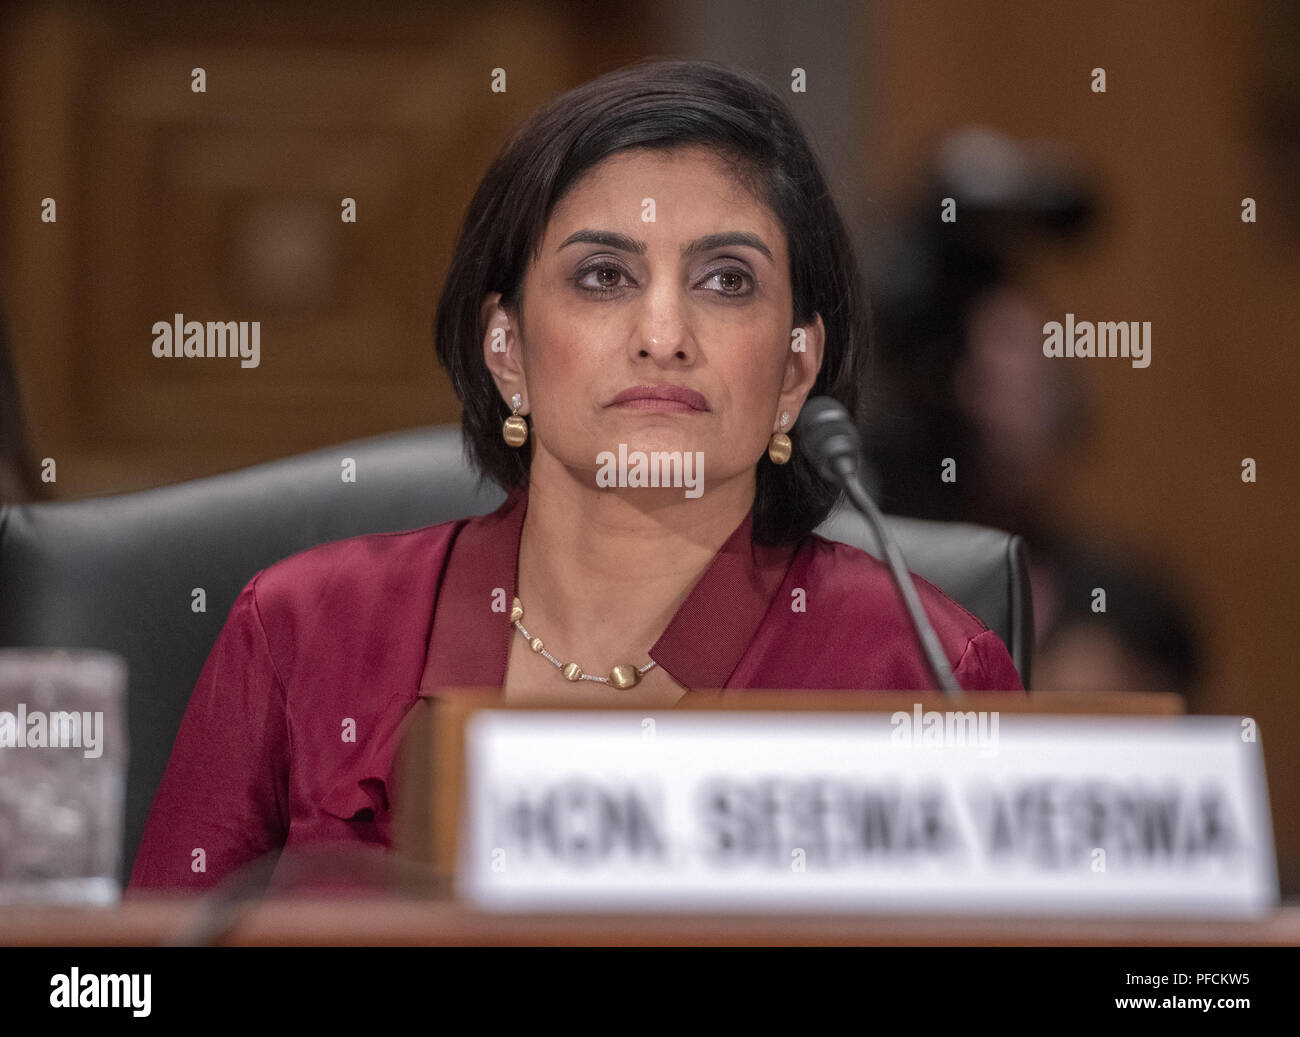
pixel 514 430
pixel 778 447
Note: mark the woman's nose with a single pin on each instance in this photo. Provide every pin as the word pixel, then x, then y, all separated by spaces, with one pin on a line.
pixel 663 331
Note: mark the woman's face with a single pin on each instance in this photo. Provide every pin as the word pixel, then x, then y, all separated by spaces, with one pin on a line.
pixel 657 269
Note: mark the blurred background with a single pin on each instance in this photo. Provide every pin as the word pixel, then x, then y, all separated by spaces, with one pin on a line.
pixel 1117 206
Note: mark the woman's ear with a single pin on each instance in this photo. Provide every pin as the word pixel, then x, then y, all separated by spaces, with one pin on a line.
pixel 807 346
pixel 502 349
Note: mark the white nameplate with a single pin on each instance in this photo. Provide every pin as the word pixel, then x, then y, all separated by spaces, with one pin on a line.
pixel 860 812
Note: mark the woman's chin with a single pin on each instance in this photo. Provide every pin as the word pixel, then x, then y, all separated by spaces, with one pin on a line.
pixel 659 424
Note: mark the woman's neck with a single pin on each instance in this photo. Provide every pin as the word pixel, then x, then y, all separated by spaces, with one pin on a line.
pixel 602 572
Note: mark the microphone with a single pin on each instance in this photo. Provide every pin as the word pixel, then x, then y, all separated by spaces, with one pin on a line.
pixel 830 440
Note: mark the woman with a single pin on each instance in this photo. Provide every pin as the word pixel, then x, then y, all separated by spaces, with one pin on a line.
pixel 653 266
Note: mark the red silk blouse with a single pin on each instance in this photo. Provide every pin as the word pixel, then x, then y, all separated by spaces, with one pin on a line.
pixel 290 737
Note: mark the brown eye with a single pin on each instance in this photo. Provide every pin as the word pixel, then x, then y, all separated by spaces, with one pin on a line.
pixel 732 282
pixel 607 277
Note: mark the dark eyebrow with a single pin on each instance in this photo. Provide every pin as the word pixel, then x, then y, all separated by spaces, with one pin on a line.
pixel 623 243
pixel 722 240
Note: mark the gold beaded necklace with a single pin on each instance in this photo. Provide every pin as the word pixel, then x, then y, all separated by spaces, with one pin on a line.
pixel 625 675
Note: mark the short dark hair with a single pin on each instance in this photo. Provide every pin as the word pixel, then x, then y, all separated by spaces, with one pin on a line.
pixel 658 104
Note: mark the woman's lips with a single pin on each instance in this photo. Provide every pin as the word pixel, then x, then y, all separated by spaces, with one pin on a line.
pixel 661 397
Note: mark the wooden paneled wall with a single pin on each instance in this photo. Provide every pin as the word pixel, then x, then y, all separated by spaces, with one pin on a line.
pixel 226 206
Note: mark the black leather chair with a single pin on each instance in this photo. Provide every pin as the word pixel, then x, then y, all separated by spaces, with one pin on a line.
pixel 118 572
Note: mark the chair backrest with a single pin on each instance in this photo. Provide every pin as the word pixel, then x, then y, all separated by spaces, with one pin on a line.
pixel 118 572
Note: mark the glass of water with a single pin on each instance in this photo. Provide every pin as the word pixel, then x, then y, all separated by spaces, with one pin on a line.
pixel 62 775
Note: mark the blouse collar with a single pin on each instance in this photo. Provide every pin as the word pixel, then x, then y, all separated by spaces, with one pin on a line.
pixel 699 649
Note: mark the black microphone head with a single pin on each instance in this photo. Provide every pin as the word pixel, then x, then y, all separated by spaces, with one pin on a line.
pixel 828 436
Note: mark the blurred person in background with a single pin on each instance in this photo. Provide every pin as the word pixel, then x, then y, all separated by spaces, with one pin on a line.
pixel 1145 640
pixel 960 373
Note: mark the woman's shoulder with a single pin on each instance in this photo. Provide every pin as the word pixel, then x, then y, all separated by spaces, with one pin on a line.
pixel 372 569
pixel 858 585
pixel 861 635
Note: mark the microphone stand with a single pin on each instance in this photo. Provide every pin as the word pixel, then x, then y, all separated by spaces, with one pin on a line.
pixel 844 471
